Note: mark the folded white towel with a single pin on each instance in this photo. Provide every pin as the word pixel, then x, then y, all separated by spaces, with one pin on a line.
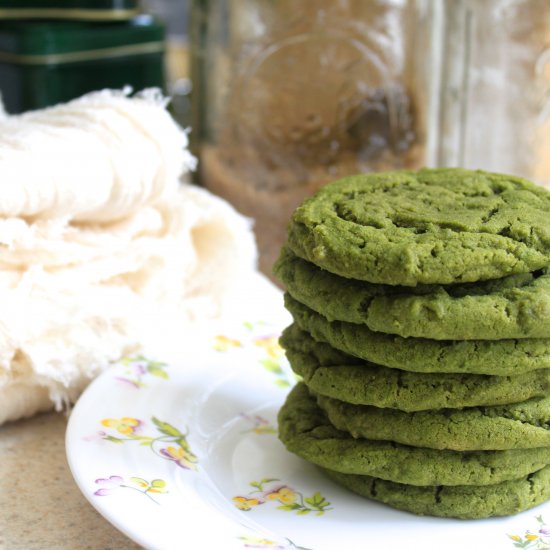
pixel 100 245
pixel 98 158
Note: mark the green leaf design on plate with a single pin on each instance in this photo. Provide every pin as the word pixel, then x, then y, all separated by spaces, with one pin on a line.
pixel 272 366
pixel 167 429
pixel 289 507
pixel 158 371
pixel 317 501
pixel 113 439
pixel 182 442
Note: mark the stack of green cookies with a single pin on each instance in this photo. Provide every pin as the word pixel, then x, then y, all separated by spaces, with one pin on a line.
pixel 421 306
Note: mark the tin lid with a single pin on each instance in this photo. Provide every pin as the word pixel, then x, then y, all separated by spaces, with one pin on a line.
pixel 55 42
pixel 86 10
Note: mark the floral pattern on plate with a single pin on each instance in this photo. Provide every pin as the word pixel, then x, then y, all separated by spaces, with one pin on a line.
pixel 260 425
pixel 136 369
pixel 537 540
pixel 264 340
pixel 108 485
pixel 250 541
pixel 289 499
pixel 171 444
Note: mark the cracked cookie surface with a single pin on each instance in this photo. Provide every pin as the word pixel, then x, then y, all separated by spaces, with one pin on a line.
pixel 437 226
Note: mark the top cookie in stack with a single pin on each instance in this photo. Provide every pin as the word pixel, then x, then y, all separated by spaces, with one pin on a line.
pixel 430 227
pixel 437 273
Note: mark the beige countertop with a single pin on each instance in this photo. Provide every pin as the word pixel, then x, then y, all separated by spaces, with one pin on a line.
pixel 40 505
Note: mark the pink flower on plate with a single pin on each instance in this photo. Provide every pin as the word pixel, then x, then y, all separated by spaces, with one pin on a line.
pixel 108 485
pixel 97 436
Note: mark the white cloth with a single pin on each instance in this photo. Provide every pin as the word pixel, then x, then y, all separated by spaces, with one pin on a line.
pixel 101 246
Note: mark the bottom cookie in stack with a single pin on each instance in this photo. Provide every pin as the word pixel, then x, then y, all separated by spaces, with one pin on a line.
pixel 464 502
pixel 422 480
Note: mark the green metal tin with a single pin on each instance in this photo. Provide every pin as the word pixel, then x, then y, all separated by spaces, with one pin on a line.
pixel 88 10
pixel 44 63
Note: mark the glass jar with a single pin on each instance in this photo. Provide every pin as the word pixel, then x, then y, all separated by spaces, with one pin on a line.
pixel 290 95
pixel 494 71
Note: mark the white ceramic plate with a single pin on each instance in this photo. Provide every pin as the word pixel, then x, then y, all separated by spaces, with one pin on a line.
pixel 184 454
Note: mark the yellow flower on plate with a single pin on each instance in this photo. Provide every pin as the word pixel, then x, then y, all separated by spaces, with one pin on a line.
pixel 125 425
pixel 285 495
pixel 515 537
pixel 271 346
pixel 223 343
pixel 262 430
pixel 140 482
pixel 530 536
pixel 246 504
pixel 257 542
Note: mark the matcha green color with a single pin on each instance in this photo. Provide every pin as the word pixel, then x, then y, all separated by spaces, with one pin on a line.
pixel 517 306
pixel 524 425
pixel 334 374
pixel 493 357
pixel 305 431
pixel 433 226
pixel 465 502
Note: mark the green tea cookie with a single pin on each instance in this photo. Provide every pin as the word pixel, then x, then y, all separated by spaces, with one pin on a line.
pixel 465 502
pixel 518 426
pixel 493 357
pixel 305 431
pixel 521 312
pixel 433 226
pixel 332 373
pixel 517 306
